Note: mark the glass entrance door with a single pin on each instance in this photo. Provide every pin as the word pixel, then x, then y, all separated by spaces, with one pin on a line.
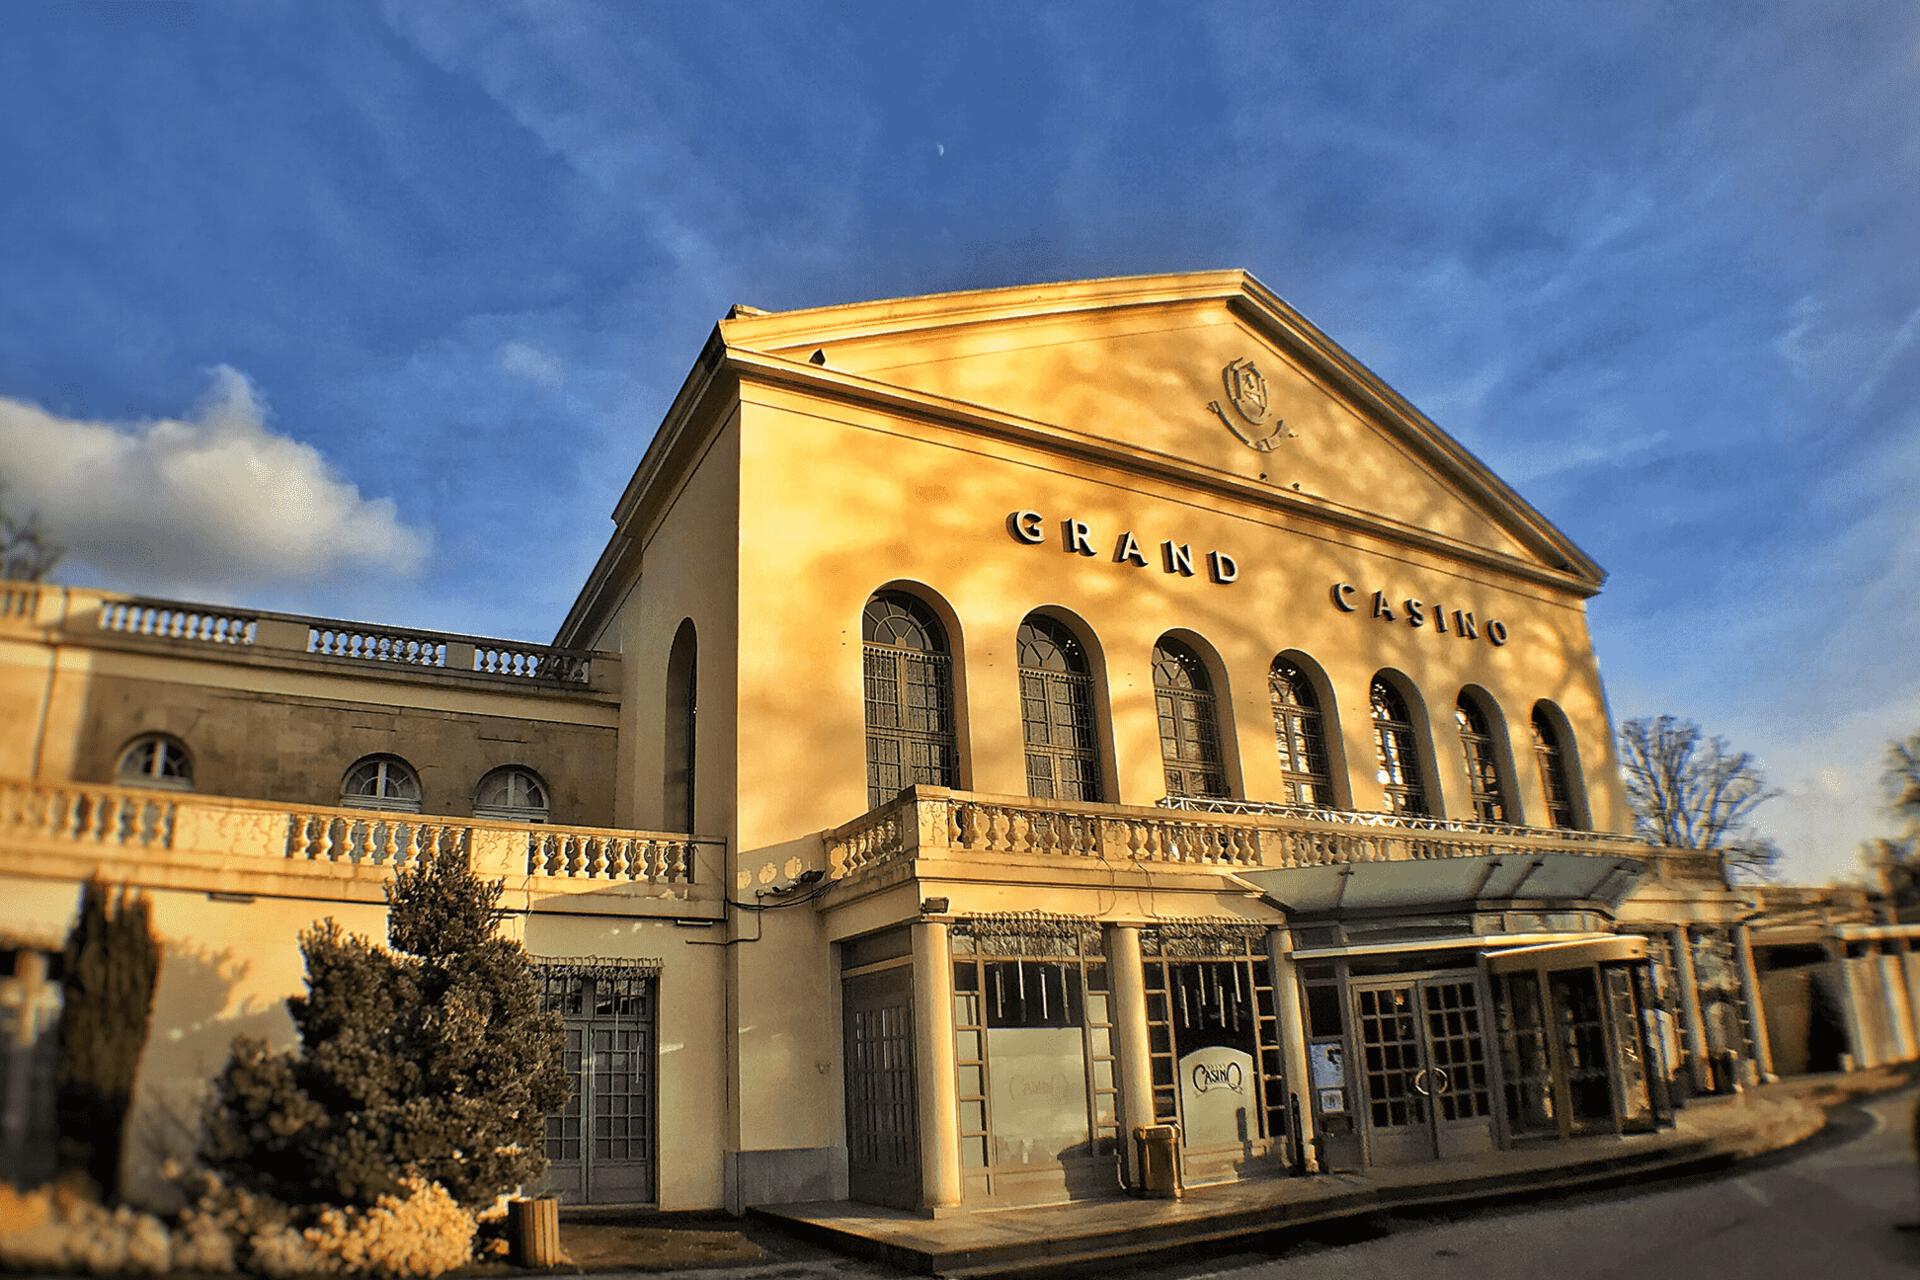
pixel 1423 1067
pixel 600 1146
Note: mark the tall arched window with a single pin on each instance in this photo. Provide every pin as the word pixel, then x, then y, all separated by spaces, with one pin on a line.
pixel 382 782
pixel 1396 744
pixel 909 688
pixel 511 794
pixel 155 760
pixel 679 739
pixel 1483 764
pixel 1056 712
pixel 1555 780
pixel 1189 722
pixel 1301 734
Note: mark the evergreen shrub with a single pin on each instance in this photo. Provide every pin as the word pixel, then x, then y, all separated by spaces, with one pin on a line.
pixel 427 1061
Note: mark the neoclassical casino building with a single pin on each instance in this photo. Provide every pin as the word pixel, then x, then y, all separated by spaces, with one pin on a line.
pixel 998 721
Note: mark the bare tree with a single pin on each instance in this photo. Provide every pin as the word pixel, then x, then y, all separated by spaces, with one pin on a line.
pixel 1895 860
pixel 25 553
pixel 1691 791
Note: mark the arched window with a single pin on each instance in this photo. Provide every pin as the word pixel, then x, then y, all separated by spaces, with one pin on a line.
pixel 682 710
pixel 1555 780
pixel 511 794
pixel 1483 765
pixel 1396 745
pixel 909 688
pixel 382 782
pixel 1189 722
pixel 155 760
pixel 1301 734
pixel 1056 712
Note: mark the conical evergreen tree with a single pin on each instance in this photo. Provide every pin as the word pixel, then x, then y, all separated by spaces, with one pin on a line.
pixel 108 973
pixel 432 1059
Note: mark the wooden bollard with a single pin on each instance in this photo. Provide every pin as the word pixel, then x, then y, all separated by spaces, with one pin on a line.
pixel 533 1232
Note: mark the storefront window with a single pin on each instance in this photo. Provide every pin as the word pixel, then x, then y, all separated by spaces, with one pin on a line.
pixel 1034 1052
pixel 1213 1040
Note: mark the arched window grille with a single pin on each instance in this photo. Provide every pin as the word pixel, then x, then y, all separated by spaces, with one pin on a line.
pixel 382 782
pixel 155 760
pixel 511 794
pixel 909 693
pixel 1189 722
pixel 1397 747
pixel 1300 732
pixel 1554 779
pixel 1483 767
pixel 1056 712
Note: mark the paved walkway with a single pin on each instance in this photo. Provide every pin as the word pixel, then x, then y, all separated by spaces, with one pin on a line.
pixel 1711 1131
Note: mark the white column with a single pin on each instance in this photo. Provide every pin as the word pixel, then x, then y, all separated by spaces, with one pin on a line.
pixel 1683 981
pixel 1126 980
pixel 1750 992
pixel 1893 983
pixel 1292 1026
pixel 935 1093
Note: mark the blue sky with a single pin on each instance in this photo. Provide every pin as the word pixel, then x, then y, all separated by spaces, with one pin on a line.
pixel 429 274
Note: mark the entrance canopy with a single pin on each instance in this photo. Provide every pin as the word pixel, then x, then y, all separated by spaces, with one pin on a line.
pixel 1571 878
pixel 1559 955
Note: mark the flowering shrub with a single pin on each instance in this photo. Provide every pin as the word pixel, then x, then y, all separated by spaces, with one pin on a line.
pixel 424 1234
pixel 57 1228
pixel 417 1235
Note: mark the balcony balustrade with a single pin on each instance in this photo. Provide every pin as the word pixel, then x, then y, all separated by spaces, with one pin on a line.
pixel 172 839
pixel 935 823
pixel 78 615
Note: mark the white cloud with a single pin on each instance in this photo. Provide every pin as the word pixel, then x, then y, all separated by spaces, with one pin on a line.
pixel 524 360
pixel 201 504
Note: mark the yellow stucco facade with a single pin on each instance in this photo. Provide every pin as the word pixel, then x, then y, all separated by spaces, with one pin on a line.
pixel 1170 460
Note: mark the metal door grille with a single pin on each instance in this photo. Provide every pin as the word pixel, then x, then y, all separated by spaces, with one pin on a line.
pixel 882 1125
pixel 1390 1056
pixel 600 1144
pixel 1456 1050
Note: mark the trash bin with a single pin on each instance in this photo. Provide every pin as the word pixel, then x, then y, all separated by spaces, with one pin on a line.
pixel 1158 1148
pixel 533 1232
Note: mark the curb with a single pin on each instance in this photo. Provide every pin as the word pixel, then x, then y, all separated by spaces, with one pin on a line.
pixel 1690 1158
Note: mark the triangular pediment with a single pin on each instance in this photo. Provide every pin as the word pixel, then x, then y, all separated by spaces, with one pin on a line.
pixel 1209 370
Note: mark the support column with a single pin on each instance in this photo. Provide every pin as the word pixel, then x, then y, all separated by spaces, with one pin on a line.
pixel 1127 982
pixel 1857 1047
pixel 1893 986
pixel 1750 992
pixel 934 1089
pixel 1292 1027
pixel 1683 981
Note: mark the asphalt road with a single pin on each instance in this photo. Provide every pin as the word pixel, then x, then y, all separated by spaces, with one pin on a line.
pixel 1826 1209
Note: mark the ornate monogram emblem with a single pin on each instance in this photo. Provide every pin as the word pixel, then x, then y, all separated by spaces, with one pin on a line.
pixel 1247 388
pixel 1247 393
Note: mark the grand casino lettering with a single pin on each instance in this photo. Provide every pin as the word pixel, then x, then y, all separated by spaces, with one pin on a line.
pixel 1385 607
